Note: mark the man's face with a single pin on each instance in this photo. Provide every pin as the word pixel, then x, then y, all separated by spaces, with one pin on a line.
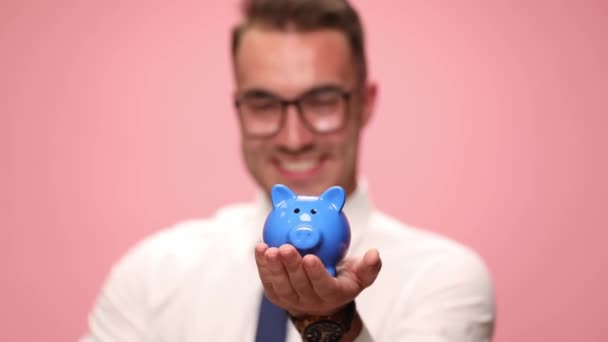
pixel 288 64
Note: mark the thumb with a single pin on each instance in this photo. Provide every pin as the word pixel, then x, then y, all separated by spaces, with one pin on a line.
pixel 368 267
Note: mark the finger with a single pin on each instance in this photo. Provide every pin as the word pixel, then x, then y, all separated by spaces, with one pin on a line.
pixel 368 267
pixel 263 271
pixel 322 282
pixel 260 248
pixel 280 280
pixel 297 276
pixel 272 295
pixel 260 260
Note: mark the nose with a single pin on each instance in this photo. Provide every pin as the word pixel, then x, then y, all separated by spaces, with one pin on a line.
pixel 304 238
pixel 305 218
pixel 294 134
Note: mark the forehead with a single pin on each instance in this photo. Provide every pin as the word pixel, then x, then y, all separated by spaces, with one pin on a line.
pixel 290 62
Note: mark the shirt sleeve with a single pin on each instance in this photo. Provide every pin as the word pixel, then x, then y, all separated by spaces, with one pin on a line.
pixel 120 311
pixel 453 302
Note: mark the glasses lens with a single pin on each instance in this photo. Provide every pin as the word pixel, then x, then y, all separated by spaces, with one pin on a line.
pixel 260 115
pixel 325 110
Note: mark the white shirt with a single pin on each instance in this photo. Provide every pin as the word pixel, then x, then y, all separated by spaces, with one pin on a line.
pixel 198 281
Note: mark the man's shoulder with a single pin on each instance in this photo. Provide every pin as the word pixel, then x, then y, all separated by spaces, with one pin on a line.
pixel 405 236
pixel 186 242
pixel 426 251
pixel 429 278
pixel 192 231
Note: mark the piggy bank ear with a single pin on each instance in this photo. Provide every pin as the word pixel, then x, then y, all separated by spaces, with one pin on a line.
pixel 280 193
pixel 336 196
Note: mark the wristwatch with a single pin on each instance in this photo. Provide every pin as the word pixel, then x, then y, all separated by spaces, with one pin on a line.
pixel 325 328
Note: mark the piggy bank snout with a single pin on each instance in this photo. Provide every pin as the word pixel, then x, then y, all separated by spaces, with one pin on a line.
pixel 305 218
pixel 304 237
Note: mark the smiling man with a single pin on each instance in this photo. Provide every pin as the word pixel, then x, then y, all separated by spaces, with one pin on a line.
pixel 303 99
pixel 311 141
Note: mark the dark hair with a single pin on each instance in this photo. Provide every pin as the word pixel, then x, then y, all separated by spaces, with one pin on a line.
pixel 306 15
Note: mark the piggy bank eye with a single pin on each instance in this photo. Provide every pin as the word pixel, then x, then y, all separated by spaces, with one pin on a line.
pixel 313 211
pixel 296 210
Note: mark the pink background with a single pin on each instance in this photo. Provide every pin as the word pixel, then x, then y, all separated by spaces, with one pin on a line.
pixel 116 121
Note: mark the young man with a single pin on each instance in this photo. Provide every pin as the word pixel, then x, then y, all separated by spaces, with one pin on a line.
pixel 303 99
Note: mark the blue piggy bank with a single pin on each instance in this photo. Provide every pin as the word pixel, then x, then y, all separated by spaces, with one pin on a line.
pixel 313 225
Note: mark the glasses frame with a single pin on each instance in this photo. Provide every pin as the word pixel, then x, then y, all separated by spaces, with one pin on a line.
pixel 297 102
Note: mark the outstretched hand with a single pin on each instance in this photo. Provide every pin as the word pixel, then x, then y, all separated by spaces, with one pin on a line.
pixel 302 285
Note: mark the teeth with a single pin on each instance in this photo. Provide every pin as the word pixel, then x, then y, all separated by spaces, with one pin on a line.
pixel 298 166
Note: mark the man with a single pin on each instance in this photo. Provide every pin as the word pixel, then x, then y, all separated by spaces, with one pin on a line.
pixel 303 99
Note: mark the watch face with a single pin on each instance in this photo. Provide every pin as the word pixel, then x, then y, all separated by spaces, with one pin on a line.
pixel 323 331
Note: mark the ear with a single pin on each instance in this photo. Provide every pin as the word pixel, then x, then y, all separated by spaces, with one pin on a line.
pixel 368 103
pixel 280 193
pixel 336 196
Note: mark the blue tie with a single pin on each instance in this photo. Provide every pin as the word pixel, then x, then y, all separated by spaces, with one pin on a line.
pixel 272 323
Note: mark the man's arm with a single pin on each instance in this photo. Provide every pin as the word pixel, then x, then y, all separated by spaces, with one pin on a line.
pixel 453 300
pixel 118 315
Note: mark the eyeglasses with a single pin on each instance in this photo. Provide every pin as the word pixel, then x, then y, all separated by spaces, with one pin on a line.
pixel 322 110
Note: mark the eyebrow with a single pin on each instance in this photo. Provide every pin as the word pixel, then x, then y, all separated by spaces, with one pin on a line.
pixel 258 93
pixel 261 92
